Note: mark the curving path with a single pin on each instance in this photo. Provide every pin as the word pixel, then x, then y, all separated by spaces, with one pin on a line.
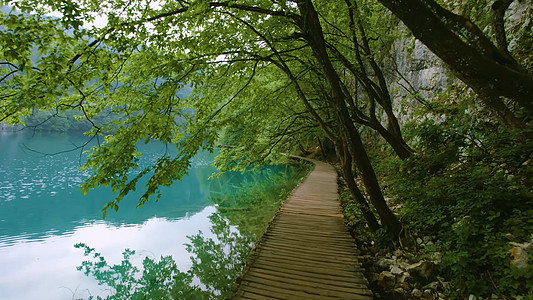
pixel 307 251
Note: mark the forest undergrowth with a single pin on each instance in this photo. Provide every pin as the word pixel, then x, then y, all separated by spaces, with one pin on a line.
pixel 466 205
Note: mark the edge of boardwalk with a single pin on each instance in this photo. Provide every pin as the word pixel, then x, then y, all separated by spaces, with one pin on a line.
pixel 257 246
pixel 303 285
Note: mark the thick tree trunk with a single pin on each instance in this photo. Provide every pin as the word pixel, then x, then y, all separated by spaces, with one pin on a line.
pixel 346 165
pixel 398 144
pixel 480 64
pixel 349 134
pixel 322 150
pixel 358 152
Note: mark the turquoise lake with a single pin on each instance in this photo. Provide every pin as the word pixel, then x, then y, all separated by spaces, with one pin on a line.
pixel 43 215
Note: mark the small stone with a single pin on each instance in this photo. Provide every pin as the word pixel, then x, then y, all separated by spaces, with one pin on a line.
pixel 399 293
pixel 436 257
pixel 403 277
pixel 428 294
pixel 445 285
pixel 472 297
pixel 416 293
pixel 386 280
pixel 398 253
pixel 520 255
pixel 396 270
pixel 403 264
pixel 384 263
pixel 431 286
pixel 405 286
pixel 419 241
pixel 422 268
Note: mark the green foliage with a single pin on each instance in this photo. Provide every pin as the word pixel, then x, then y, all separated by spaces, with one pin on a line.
pixel 180 75
pixel 470 190
pixel 251 203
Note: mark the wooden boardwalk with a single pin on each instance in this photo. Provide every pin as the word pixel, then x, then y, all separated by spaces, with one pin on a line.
pixel 307 251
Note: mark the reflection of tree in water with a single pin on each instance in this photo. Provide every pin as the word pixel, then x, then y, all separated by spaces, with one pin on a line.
pixel 247 203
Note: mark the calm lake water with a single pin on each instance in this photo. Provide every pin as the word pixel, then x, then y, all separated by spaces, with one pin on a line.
pixel 43 215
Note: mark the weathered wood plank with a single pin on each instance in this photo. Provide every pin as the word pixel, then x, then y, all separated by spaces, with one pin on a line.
pixel 333 282
pixel 301 281
pixel 307 251
pixel 358 278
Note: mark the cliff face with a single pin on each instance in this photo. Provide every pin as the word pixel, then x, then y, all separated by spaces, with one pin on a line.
pixel 415 74
pixel 417 70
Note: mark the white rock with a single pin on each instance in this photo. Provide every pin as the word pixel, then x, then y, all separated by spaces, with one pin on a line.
pixel 396 270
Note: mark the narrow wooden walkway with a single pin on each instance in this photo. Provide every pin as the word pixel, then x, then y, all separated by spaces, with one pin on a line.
pixel 307 251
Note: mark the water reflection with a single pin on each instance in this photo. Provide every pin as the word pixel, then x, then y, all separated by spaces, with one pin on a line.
pixel 45 268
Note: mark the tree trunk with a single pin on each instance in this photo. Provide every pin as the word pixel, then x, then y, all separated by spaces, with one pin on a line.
pixel 480 64
pixel 349 134
pixel 398 144
pixel 346 165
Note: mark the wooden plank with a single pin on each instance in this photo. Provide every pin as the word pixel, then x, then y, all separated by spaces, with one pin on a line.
pixel 314 290
pixel 299 247
pixel 335 239
pixel 312 260
pixel 356 278
pixel 261 261
pixel 340 257
pixel 326 285
pixel 280 292
pixel 249 294
pixel 332 281
pixel 312 243
pixel 311 233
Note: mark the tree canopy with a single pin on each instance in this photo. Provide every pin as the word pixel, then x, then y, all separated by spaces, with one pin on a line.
pixel 265 75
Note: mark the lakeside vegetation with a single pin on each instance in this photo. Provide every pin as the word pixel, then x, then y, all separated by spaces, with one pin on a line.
pixel 245 206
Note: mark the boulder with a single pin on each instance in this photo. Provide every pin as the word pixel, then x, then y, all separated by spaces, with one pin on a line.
pixel 520 255
pixel 396 270
pixel 422 269
pixel 384 263
pixel 386 280
pixel 416 293
pixel 434 286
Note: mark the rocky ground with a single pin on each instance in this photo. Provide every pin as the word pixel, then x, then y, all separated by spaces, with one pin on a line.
pixel 399 275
